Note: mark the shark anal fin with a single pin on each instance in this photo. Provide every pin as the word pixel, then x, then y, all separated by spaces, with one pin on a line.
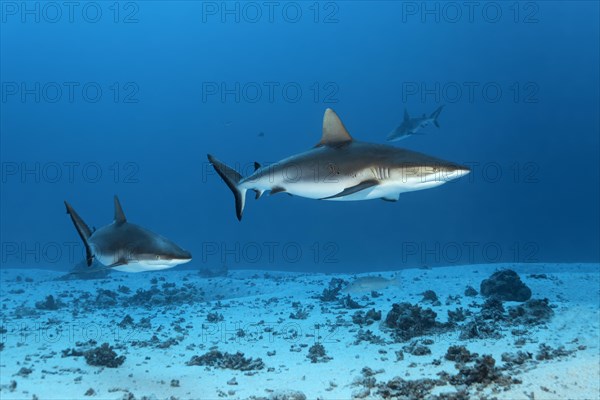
pixel 354 189
pixel 277 189
pixel 119 214
pixel 392 199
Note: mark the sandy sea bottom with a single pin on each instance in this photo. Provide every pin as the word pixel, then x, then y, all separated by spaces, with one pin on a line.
pixel 177 333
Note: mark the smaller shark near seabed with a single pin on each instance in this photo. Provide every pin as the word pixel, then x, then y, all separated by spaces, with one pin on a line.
pixel 412 126
pixel 340 168
pixel 127 247
pixel 370 283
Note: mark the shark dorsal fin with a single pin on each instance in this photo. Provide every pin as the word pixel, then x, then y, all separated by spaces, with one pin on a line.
pixel 119 214
pixel 406 116
pixel 334 132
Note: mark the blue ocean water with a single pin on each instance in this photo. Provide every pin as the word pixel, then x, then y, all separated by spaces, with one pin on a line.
pixel 128 98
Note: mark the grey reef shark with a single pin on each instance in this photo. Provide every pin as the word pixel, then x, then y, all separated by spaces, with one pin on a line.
pixel 127 247
pixel 342 169
pixel 412 126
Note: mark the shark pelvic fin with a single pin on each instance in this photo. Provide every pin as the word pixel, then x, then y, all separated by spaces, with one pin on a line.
pixel 258 193
pixel 119 214
pixel 354 189
pixel 84 233
pixel 334 132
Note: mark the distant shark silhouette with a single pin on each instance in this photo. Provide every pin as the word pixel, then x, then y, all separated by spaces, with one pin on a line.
pixel 412 126
pixel 339 168
pixel 127 247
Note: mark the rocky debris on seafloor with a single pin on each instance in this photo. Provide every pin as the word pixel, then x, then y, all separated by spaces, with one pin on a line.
pixel 546 352
pixel 364 319
pixel 460 354
pixel 429 296
pixel 213 317
pixel 216 272
pixel 483 372
pixel 333 290
pixel 368 336
pixel 416 348
pixel 317 354
pixel 470 291
pixel 532 312
pixel 49 303
pixel 492 309
pixel 103 356
pixel 284 394
pixel 224 360
pixel 478 328
pixel 458 315
pixel 513 359
pixel 348 302
pixel 407 321
pixel 301 312
pixel 506 285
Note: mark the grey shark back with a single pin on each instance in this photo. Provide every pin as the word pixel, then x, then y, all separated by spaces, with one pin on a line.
pixel 127 247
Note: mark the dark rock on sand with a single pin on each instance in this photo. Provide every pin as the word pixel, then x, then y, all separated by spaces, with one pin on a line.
pixel 49 304
pixel 505 285
pixel 332 291
pixel 316 353
pixel 363 319
pixel 460 354
pixel 224 360
pixel 408 321
pixel 470 291
pixel 532 312
pixel 103 356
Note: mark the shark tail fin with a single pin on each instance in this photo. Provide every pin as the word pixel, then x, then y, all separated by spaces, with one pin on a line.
pixel 84 232
pixel 436 114
pixel 232 179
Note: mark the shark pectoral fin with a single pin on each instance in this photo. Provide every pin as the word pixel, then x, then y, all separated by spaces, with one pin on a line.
pixel 334 131
pixel 119 214
pixel 117 264
pixel 276 189
pixel 354 189
pixel 388 198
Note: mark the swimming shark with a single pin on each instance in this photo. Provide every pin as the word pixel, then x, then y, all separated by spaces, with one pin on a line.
pixel 126 247
pixel 411 126
pixel 370 283
pixel 341 169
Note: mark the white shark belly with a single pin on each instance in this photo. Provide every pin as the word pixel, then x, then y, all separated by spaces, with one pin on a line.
pixel 143 267
pixel 317 190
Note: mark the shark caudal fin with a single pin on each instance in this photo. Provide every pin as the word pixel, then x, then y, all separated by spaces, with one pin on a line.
pixel 434 115
pixel 232 179
pixel 84 232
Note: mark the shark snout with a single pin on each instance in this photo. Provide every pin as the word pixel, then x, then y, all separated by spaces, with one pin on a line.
pixel 456 171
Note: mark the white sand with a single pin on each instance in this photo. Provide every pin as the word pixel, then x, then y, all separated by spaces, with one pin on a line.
pixel 147 371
